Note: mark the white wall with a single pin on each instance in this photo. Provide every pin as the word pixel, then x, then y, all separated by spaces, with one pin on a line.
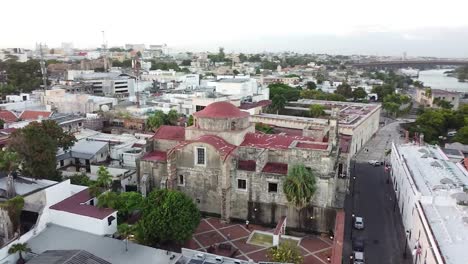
pixel 84 223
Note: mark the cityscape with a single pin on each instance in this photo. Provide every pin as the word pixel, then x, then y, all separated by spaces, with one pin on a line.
pixel 180 138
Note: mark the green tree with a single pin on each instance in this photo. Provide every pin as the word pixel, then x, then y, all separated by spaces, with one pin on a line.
pixel 81 179
pixel 316 110
pixel 186 63
pixel 172 117
pixel 443 103
pixel 168 215
pixel 286 252
pixel 104 178
pixel 242 57
pixel 462 135
pixel 23 76
pixel 278 103
pixel 290 93
pixel 19 248
pixel 311 85
pixel 345 90
pixel 359 93
pixel 156 120
pixel 9 161
pixel 37 144
pixel 14 206
pixel 299 186
pixel 190 121
pixel 108 200
pixel 383 90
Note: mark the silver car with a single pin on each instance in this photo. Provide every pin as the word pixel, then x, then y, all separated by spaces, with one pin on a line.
pixel 359 222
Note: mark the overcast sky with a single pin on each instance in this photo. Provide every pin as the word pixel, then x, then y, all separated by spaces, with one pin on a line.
pixel 382 27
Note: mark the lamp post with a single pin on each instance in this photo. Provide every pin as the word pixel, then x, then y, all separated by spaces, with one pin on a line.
pixel 352 225
pixel 406 243
pixel 351 258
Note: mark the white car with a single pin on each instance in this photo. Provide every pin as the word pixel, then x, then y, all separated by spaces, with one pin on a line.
pixel 359 222
pixel 375 163
pixel 358 257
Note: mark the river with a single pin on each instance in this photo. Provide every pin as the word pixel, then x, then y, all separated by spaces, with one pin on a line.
pixel 438 80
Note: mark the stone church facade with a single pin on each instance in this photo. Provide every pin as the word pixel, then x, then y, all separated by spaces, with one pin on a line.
pixel 233 172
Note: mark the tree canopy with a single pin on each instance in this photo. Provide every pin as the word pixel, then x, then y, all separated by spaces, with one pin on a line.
pixel 167 215
pixel 311 85
pixel 37 144
pixel 289 93
pixel 299 186
pixel 359 93
pixel 316 110
pixel 383 90
pixel 286 252
pixel 22 76
pixel 345 90
pixel 320 95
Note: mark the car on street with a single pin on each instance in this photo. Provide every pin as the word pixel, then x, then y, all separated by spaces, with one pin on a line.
pixel 358 257
pixel 375 163
pixel 359 222
pixel 358 244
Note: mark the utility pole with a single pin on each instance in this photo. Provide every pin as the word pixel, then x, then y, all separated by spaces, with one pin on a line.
pixel 43 67
pixel 104 51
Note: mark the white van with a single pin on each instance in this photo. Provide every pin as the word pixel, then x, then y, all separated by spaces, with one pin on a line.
pixel 358 257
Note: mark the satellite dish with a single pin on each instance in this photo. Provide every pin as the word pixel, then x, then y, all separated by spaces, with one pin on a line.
pixel 105 108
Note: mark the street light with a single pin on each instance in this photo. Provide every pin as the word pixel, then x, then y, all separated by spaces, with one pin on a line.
pixel 352 225
pixel 406 242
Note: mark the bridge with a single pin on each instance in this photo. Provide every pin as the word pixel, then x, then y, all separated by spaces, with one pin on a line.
pixel 409 63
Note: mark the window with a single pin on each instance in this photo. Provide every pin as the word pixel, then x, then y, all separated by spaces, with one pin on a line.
pixel 201 156
pixel 181 180
pixel 241 184
pixel 272 187
pixel 110 219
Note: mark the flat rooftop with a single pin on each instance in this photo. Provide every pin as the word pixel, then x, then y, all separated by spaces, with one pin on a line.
pixel 24 186
pixel 441 183
pixel 350 113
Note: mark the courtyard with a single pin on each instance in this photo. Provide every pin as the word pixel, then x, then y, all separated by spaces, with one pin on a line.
pixel 233 238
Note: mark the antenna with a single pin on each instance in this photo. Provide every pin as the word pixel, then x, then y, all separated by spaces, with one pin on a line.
pixel 136 67
pixel 43 67
pixel 104 50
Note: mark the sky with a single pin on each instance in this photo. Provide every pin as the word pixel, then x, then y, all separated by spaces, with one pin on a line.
pixel 377 27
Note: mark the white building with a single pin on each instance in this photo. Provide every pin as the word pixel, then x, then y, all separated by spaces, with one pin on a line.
pixel 433 202
pixel 63 102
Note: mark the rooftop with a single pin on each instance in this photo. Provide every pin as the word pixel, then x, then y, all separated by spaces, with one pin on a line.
pixel 262 103
pixel 34 115
pixel 67 257
pixel 8 116
pixel 170 133
pixel 155 156
pixel 221 110
pixel 23 185
pixel 109 249
pixel 441 184
pixel 233 80
pixel 271 141
pixel 76 204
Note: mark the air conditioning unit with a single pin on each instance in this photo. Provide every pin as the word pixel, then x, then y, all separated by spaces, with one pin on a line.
pixel 219 259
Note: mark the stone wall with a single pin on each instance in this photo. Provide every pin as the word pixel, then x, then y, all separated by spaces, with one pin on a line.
pixel 164 144
pixel 221 124
pixel 235 137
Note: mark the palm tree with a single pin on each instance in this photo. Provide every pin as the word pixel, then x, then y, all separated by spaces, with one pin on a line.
pixel 278 103
pixel 9 162
pixel 125 231
pixel 104 178
pixel 299 186
pixel 108 200
pixel 19 248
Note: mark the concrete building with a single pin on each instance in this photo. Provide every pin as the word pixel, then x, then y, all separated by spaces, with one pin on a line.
pixel 428 97
pixel 231 171
pixel 62 102
pixel 433 202
pixel 267 80
pixel 105 83
pixel 356 120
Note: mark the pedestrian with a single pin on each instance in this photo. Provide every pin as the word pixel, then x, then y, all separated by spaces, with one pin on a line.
pixel 247 224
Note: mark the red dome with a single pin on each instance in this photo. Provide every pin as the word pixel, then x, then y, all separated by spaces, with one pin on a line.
pixel 221 110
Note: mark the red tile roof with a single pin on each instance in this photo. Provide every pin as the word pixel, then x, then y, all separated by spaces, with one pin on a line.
pixel 8 116
pixel 218 143
pixel 262 103
pixel 155 156
pixel 312 145
pixel 247 165
pixel 465 161
pixel 75 205
pixel 274 167
pixel 34 115
pixel 270 141
pixel 170 133
pixel 221 110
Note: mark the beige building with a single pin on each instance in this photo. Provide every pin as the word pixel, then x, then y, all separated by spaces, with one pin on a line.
pixel 428 97
pixel 67 103
pixel 231 171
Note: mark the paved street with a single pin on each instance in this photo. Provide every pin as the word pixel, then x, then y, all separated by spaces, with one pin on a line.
pixel 374 200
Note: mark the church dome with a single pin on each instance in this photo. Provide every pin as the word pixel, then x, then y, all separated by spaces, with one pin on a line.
pixel 221 110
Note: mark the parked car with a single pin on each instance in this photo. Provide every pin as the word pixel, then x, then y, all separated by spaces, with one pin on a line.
pixel 358 257
pixel 359 222
pixel 358 244
pixel 375 163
